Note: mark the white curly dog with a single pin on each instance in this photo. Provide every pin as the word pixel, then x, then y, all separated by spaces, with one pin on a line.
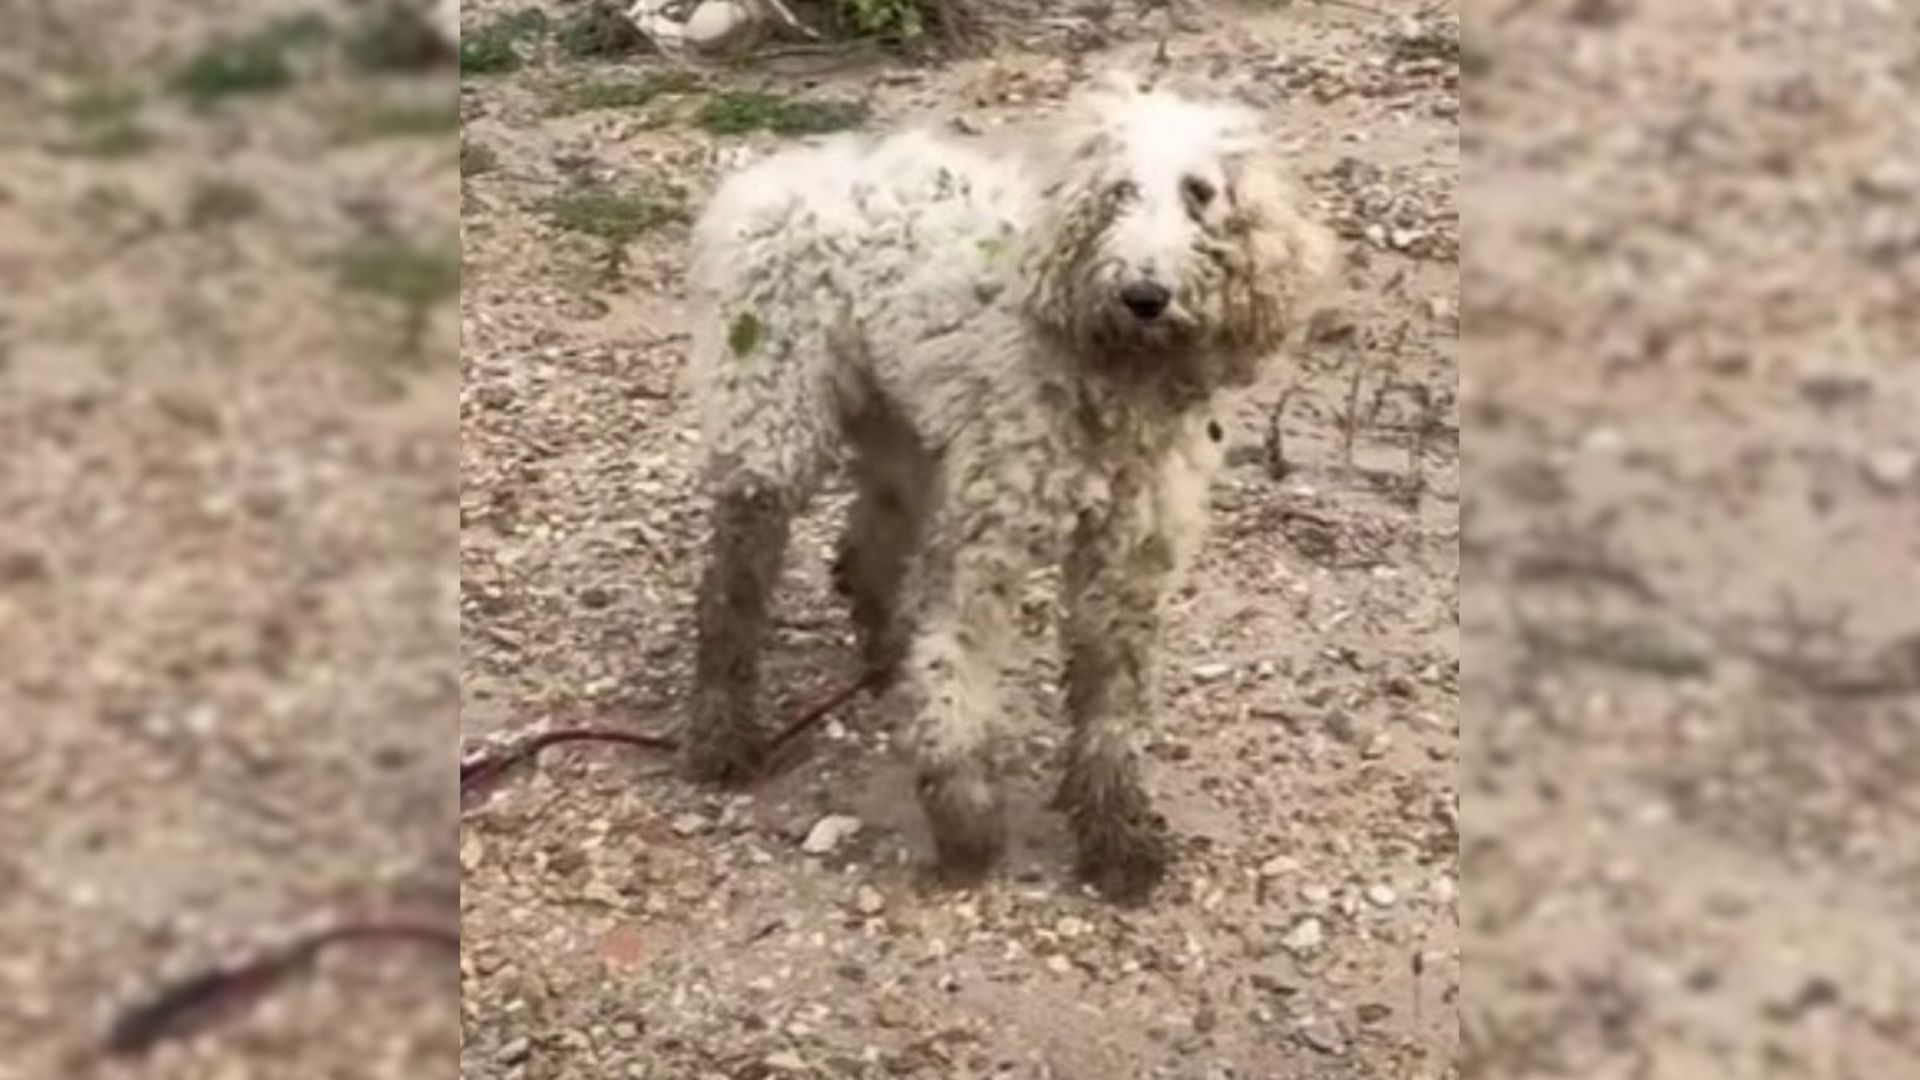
pixel 1017 356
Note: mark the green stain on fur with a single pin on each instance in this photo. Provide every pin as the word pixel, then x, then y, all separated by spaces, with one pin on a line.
pixel 743 334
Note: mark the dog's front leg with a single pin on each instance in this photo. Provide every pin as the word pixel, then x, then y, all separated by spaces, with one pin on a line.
pixel 991 531
pixel 1123 563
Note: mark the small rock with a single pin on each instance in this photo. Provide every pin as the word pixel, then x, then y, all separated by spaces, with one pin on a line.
pixel 718 25
pixel 829 833
pixel 1278 865
pixel 514 1052
pixel 691 824
pixel 1070 927
pixel 786 1061
pixel 1306 937
pixel 1211 673
pixel 1892 470
pixel 868 900
pixel 1321 1034
pixel 1058 964
pixel 1382 896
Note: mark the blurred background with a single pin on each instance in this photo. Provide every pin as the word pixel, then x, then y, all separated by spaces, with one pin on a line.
pixel 1692 539
pixel 228 251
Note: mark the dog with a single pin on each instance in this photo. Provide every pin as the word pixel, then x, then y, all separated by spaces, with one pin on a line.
pixel 1017 357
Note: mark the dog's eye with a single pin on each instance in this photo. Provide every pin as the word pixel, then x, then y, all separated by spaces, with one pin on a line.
pixel 1125 190
pixel 1198 190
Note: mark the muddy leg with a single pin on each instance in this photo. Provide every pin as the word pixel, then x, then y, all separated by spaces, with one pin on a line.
pixel 722 741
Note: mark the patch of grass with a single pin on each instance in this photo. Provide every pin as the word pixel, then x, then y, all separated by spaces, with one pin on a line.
pixel 610 214
pixel 256 63
pixel 741 112
pixel 411 118
pixel 477 159
pixel 904 19
pixel 105 121
pixel 221 202
pixel 493 48
pixel 395 37
pixel 413 275
pixel 628 93
pixel 600 29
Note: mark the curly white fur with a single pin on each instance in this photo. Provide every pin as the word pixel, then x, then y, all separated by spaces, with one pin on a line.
pixel 1021 352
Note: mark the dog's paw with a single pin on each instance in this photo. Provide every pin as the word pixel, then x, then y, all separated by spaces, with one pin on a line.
pixel 1126 865
pixel 727 757
pixel 968 822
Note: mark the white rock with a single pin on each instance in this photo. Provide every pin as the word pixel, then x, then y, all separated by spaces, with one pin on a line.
pixel 1893 469
pixel 1382 896
pixel 829 833
pixel 1306 936
pixel 718 25
pixel 1211 672
pixel 868 900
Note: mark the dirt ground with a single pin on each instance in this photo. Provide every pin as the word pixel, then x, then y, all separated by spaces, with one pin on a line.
pixel 1693 540
pixel 227 526
pixel 621 923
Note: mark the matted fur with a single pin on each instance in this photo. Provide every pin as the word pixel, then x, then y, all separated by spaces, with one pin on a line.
pixel 949 320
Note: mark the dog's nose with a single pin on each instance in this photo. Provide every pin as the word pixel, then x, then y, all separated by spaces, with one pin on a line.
pixel 1146 299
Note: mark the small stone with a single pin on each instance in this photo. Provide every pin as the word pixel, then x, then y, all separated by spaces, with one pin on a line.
pixel 514 1052
pixel 1279 865
pixel 1306 937
pixel 718 25
pixel 1377 746
pixel 1892 470
pixel 1071 927
pixel 786 1061
pixel 691 824
pixel 1211 672
pixel 868 900
pixel 829 833
pixel 1382 896
pixel 1321 1034
pixel 1058 964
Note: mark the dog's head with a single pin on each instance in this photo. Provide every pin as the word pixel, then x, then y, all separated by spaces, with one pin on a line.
pixel 1174 238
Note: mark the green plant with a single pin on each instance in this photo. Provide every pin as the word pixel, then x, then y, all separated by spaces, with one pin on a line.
pixel 740 112
pixel 610 214
pixel 410 118
pixel 256 63
pixel 493 48
pixel 906 19
pixel 613 216
pixel 104 120
pixel 413 275
pixel 627 93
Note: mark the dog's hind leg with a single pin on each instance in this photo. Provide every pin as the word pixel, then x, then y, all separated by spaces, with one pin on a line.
pixel 769 432
pixel 892 479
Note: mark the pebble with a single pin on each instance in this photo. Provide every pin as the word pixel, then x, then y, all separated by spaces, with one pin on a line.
pixel 1382 896
pixel 829 833
pixel 1306 936
pixel 515 1051
pixel 868 900
pixel 1211 672
pixel 1893 470
pixel 691 824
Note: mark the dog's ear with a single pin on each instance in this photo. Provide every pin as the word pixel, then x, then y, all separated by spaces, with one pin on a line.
pixel 1283 258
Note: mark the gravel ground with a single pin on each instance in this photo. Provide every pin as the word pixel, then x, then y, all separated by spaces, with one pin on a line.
pixel 1693 655
pixel 621 923
pixel 227 588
